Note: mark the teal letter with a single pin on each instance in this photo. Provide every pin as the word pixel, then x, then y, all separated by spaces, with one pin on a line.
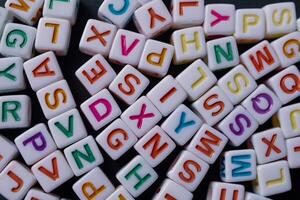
pixel 11 41
pixel 89 157
pixel 183 124
pixel 227 55
pixel 121 11
pixel 67 132
pixel 142 180
pixel 6 108
pixel 242 165
pixel 7 74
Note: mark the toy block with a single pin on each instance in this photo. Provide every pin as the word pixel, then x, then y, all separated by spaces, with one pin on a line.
pixel 27 11
pixel 280 19
pixel 152 19
pixel 272 178
pixel 182 124
pixel 213 106
pixel 17 40
pixel 238 126
pixel 8 152
pixel 56 99
pixel 250 25
pixel 260 59
pixel 53 34
pixel 219 20
pixel 222 53
pixel 225 191
pixel 97 37
pixel 207 144
pixel 119 194
pixel 83 156
pixel 189 44
pixel 116 139
pixel 39 194
pixel 252 196
pixel 137 176
pixel 293 152
pixel 93 185
pixel 96 74
pixel 127 47
pixel 186 13
pixel 116 12
pixel 129 84
pixel 141 116
pixel 15 111
pixel 67 128
pixel 167 95
pixel 65 9
pixel 100 109
pixel 15 181
pixel 5 17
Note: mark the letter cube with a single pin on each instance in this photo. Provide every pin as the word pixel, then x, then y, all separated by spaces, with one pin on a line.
pixel 116 12
pixel 8 152
pixel 280 18
pixel 65 9
pixel 293 152
pixel 100 109
pixel 15 111
pixel 187 13
pixel 207 144
pixel 213 106
pixel 55 99
pixel 42 70
pixel 273 178
pixel 97 37
pixel 188 171
pixel 95 74
pixel 53 34
pixel 252 196
pixel 120 193
pixel 250 25
pixel 298 24
pixel 141 116
pixel 196 79
pixel 219 190
pixel 262 104
pixel 137 176
pixel 5 17
pixel 189 44
pixel 39 194
pixel 127 47
pixel 67 128
pixel 182 124
pixel 238 126
pixel 167 95
pixel 83 156
pixel 15 181
pixel 155 146
pixel 219 20
pixel 129 84
pixel 17 40
pixel 222 53
pixel 116 139
pixel 94 184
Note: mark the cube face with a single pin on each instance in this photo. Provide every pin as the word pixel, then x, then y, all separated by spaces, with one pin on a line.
pixel 189 44
pixel 293 156
pixel 289 120
pixel 116 139
pixel 167 95
pixel 127 47
pixel 219 19
pixel 250 25
pixel 120 193
pixel 5 17
pixel 129 84
pixel 137 176
pixel 15 111
pixel 95 74
pixel 39 194
pixel 35 144
pixel 11 74
pixel 53 34
pixel 217 190
pixel 100 109
pixel 238 126
pixel 52 171
pixel 8 152
pixel 97 37
pixel 92 181
pixel 17 40
pixel 260 59
pixel 182 124
pixel 222 53
pixel 56 99
pixel 252 196
pixel 178 171
pixel 207 144
pixel 275 14
pixel 298 24
pixel 273 178
pixel 83 156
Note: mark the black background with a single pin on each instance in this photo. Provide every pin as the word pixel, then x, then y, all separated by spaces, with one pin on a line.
pixel 70 63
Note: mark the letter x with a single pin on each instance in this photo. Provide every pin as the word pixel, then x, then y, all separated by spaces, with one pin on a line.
pixel 99 36
pixel 271 145
pixel 141 116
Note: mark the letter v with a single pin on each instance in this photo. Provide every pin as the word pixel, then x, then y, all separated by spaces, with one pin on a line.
pixel 54 175
pixel 126 51
pixel 67 132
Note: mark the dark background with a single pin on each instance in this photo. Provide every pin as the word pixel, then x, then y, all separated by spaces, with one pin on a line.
pixel 70 63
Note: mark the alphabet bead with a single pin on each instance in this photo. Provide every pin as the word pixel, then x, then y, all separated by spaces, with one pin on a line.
pixel 252 196
pixel 8 152
pixel 39 194
pixel 100 109
pixel 218 190
pixel 5 17
pixel 120 193
pixel 293 156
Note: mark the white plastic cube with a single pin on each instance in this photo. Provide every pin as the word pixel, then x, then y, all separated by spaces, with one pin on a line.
pixel 293 152
pixel 220 190
pixel 120 193
pixel 8 152
pixel 39 194
pixel 252 196
pixel 5 17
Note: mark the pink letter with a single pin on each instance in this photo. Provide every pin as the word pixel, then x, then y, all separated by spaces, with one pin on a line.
pixel 219 18
pixel 126 51
pixel 95 112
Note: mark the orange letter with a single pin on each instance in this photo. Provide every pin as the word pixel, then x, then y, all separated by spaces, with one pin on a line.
pixel 91 187
pixel 44 65
pixel 161 57
pixel 118 144
pixel 219 104
pixel 56 98
pixel 17 179
pixel 54 175
pixel 260 57
pixel 207 149
pixel 97 75
pixel 153 16
pixel 294 88
pixel 156 150
pixel 129 84
pixel 186 167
